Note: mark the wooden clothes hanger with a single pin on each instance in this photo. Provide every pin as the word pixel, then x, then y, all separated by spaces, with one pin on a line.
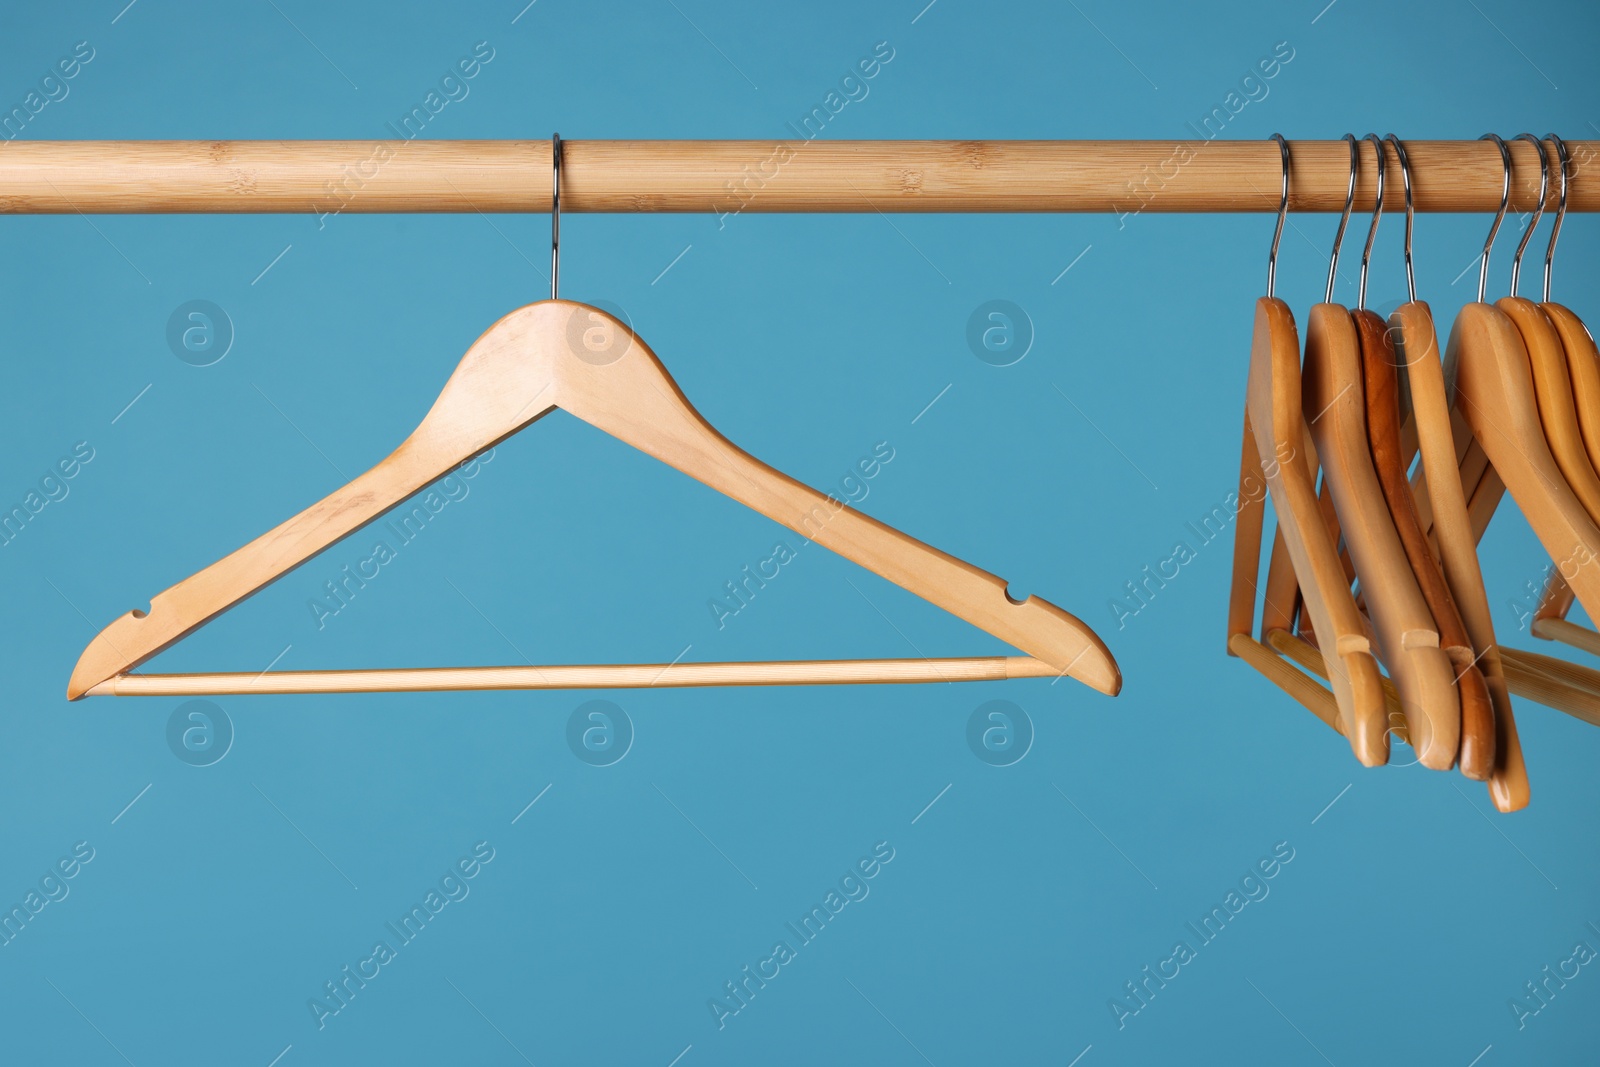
pixel 1565 687
pixel 1583 371
pixel 1407 634
pixel 559 354
pixel 1417 349
pixel 1390 460
pixel 1507 776
pixel 1275 446
pixel 1497 397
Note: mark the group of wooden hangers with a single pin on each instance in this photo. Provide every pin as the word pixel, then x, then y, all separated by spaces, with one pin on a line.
pixel 1377 567
pixel 559 354
pixel 1568 394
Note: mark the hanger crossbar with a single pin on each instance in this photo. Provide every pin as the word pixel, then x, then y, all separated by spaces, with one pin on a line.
pixel 596 676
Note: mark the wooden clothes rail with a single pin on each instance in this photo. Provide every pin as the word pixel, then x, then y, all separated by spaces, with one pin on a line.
pixel 114 177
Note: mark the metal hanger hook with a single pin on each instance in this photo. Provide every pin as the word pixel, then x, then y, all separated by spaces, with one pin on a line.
pixel 1344 220
pixel 1372 231
pixel 1405 178
pixel 1538 211
pixel 555 211
pixel 1283 215
pixel 1505 201
pixel 1562 159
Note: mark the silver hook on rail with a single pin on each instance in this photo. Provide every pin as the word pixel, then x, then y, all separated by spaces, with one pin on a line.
pixel 1372 231
pixel 555 211
pixel 1344 220
pixel 1405 178
pixel 1561 210
pixel 1283 215
pixel 1538 211
pixel 1505 201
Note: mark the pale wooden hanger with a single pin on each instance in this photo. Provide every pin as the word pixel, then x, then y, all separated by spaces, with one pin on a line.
pixel 1275 446
pixel 1496 394
pixel 1407 635
pixel 559 354
pixel 1566 687
pixel 1433 435
pixel 1275 449
pixel 1583 367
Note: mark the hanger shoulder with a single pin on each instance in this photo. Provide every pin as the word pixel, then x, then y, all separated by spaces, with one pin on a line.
pixel 1279 422
pixel 1553 392
pixel 492 393
pixel 1583 368
pixel 1408 640
pixel 633 398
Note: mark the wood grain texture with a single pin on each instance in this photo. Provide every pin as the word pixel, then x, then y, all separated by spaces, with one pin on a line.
pixel 1246 540
pixel 1553 392
pixel 398 175
pixel 1441 449
pixel 1495 392
pixel 557 353
pixel 1571 674
pixel 1485 500
pixel 591 676
pixel 1529 679
pixel 1280 606
pixel 1279 423
pixel 1304 689
pixel 1568 633
pixel 1555 601
pixel 1381 383
pixel 1583 368
pixel 1242 592
pixel 1298 650
pixel 1408 641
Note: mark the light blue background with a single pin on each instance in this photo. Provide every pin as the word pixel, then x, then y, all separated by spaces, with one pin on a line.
pixel 1019 903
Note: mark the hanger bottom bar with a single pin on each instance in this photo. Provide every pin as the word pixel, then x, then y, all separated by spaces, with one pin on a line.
pixel 598 676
